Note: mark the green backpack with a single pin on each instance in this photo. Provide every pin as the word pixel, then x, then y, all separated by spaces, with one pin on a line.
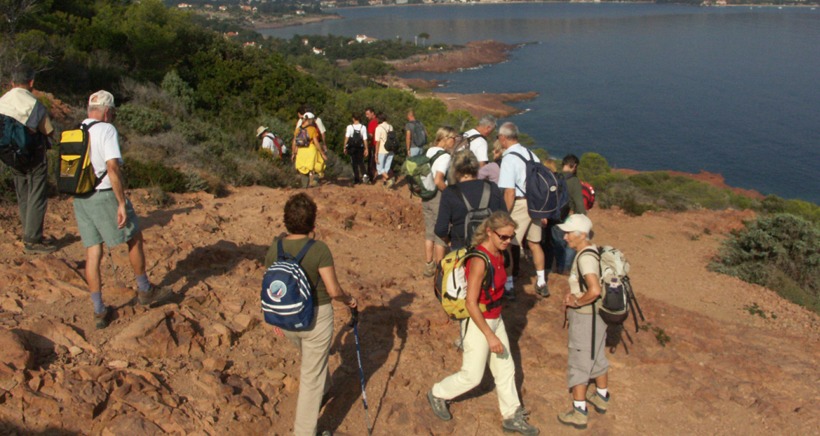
pixel 416 169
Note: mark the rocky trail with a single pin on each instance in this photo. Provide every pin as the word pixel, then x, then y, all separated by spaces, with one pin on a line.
pixel 206 363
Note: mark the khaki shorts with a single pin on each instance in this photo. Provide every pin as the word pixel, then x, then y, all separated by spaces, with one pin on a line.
pixel 430 211
pixel 527 228
pixel 97 219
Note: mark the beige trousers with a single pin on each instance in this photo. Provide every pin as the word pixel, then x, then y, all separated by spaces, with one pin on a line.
pixel 314 345
pixel 476 355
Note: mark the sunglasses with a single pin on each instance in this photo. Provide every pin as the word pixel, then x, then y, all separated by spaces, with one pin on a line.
pixel 504 238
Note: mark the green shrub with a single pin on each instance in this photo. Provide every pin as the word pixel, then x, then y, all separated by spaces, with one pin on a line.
pixel 592 166
pixel 781 252
pixel 804 209
pixel 140 174
pixel 141 119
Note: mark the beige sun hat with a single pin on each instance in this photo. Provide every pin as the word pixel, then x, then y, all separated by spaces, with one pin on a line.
pixel 260 130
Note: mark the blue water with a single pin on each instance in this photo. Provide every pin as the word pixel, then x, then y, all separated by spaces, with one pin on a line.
pixel 727 90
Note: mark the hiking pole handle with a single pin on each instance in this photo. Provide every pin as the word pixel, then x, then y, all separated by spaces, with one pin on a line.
pixel 354 317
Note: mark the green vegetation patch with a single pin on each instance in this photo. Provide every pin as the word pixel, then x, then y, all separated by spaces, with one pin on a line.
pixel 780 252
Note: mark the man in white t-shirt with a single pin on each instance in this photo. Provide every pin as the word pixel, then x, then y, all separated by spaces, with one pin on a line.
pixel 356 147
pixel 269 141
pixel 512 180
pixel 477 138
pixel 106 215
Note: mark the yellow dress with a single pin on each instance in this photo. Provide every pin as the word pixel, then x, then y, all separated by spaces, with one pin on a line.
pixel 308 158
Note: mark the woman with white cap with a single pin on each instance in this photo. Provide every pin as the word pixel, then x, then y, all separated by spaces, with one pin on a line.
pixel 586 358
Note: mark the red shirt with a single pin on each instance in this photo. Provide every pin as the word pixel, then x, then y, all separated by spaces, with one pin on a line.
pixel 499 278
pixel 371 131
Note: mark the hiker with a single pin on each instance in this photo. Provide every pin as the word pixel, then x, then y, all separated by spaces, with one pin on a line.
pixel 355 146
pixel 562 252
pixel 270 143
pixel 106 215
pixel 384 158
pixel 477 138
pixel 453 212
pixel 580 306
pixel 313 343
pixel 492 169
pixel 309 159
pixel 435 247
pixel 372 123
pixel 512 179
pixel 30 184
pixel 416 136
pixel 317 122
pixel 484 336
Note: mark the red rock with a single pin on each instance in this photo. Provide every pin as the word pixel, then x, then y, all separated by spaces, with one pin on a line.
pixel 14 351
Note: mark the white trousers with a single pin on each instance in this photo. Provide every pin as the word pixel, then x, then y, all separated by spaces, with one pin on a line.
pixel 476 356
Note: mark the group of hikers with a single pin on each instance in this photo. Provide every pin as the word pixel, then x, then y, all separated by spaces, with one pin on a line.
pixel 464 179
pixel 370 147
pixel 466 175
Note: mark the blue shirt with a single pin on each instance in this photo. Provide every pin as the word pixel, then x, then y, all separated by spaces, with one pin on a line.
pixel 513 170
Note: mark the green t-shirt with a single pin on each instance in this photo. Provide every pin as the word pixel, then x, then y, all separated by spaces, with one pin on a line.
pixel 317 257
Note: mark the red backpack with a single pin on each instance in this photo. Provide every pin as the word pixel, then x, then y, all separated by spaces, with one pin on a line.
pixel 589 195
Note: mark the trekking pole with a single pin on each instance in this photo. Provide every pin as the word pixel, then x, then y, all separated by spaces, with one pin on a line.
pixel 633 303
pixel 354 322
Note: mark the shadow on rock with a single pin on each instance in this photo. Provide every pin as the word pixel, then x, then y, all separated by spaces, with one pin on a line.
pixel 212 261
pixel 379 328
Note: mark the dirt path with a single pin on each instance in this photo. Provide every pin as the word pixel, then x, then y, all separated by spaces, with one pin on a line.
pixel 207 365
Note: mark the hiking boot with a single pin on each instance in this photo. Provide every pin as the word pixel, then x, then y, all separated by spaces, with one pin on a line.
pixel 509 295
pixel 101 319
pixel 518 423
pixel 365 179
pixel 390 183
pixel 575 417
pixel 429 269
pixel 542 290
pixel 154 295
pixel 598 402
pixel 38 248
pixel 439 407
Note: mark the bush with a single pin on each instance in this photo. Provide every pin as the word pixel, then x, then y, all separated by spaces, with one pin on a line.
pixel 140 174
pixel 141 119
pixel 780 252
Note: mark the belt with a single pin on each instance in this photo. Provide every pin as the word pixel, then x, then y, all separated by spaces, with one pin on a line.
pixel 106 189
pixel 520 198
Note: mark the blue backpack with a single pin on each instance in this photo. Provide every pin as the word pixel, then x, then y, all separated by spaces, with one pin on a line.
pixel 287 296
pixel 17 144
pixel 546 194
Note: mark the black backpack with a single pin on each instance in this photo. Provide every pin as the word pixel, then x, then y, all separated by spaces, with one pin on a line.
pixel 475 215
pixel 546 194
pixel 392 144
pixel 356 141
pixel 17 144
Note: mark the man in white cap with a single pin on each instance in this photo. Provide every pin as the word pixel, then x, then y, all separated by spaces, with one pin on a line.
pixel 105 215
pixel 30 184
pixel 270 142
pixel 585 360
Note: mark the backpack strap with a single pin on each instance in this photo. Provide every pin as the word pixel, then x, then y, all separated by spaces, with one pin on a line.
pixel 525 163
pixel 485 196
pixel 488 275
pixel 85 128
pixel 282 255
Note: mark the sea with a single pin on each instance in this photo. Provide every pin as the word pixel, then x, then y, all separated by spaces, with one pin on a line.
pixel 729 90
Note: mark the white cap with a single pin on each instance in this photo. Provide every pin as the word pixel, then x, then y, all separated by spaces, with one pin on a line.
pixel 576 223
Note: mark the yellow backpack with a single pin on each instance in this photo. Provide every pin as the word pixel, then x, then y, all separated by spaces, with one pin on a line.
pixel 75 173
pixel 450 283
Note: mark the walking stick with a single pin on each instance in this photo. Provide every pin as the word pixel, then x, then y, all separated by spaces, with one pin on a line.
pixel 354 322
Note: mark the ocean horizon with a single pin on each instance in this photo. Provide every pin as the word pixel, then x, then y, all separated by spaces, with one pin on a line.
pixel 650 87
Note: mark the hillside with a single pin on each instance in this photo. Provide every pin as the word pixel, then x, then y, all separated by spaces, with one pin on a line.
pixel 205 364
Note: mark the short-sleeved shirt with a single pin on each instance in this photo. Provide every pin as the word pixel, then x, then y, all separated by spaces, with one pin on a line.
pixel 317 257
pixel 489 172
pixel 317 122
pixel 478 145
pixel 585 263
pixel 497 290
pixel 359 128
pixel 411 127
pixel 105 145
pixel 23 106
pixel 440 165
pixel 381 136
pixel 513 173
pixel 371 129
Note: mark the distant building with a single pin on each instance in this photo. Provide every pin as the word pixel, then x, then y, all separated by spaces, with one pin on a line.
pixel 223 8
pixel 365 39
pixel 318 51
pixel 184 6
